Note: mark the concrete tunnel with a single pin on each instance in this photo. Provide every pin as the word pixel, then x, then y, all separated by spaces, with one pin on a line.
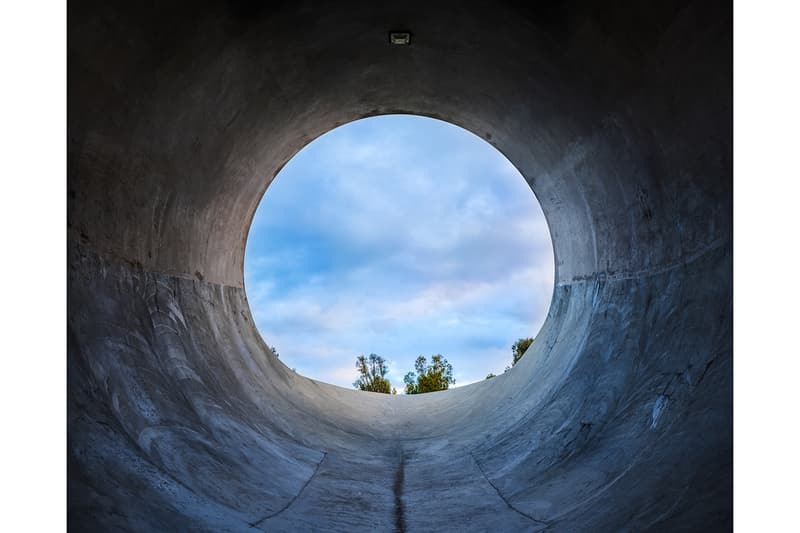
pixel 619 418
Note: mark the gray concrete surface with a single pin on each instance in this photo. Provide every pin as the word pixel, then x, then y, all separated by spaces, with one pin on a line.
pixel 619 418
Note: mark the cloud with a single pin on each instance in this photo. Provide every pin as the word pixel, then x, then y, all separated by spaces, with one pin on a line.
pixel 402 236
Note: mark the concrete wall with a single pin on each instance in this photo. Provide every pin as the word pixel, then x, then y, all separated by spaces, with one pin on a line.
pixel 618 418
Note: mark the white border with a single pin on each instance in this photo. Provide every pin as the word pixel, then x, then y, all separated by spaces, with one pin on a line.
pixel 32 264
pixel 766 248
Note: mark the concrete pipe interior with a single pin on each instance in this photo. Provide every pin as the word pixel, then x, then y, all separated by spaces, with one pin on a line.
pixel 618 419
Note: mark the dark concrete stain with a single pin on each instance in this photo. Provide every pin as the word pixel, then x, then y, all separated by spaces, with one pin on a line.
pixel 399 509
pixel 647 212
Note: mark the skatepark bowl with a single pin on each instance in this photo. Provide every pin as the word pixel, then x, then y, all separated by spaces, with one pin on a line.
pixel 619 418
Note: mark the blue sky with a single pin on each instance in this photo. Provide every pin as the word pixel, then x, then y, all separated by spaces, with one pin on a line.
pixel 402 236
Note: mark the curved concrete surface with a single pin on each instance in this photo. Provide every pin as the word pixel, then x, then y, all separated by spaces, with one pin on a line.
pixel 618 418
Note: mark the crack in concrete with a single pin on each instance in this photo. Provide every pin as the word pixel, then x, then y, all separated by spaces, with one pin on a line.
pixel 705 370
pixel 611 275
pixel 290 502
pixel 508 503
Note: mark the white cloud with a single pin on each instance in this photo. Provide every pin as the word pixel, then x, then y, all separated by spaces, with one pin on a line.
pixel 373 241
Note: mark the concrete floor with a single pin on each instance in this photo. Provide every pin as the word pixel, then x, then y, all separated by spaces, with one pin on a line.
pixel 619 418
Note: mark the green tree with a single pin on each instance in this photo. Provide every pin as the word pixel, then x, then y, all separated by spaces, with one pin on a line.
pixel 438 375
pixel 518 349
pixel 372 372
pixel 490 376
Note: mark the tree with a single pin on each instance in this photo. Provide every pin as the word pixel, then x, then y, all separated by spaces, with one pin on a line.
pixel 373 372
pixel 490 376
pixel 519 348
pixel 438 375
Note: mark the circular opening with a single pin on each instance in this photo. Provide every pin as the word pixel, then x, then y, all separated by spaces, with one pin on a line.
pixel 402 236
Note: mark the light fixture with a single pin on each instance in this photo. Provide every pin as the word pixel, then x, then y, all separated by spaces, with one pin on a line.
pixel 400 37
